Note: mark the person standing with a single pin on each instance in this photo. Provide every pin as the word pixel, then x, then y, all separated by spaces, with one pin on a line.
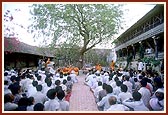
pixel 140 66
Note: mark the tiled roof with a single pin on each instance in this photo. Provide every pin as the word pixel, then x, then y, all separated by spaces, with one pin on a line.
pixel 12 45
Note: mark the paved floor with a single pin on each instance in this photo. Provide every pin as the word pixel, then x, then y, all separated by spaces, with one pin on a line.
pixel 82 98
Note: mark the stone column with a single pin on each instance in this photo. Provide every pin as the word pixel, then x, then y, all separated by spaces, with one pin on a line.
pixel 155 39
pixel 134 52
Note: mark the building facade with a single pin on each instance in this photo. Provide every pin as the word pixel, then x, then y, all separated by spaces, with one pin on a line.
pixel 143 41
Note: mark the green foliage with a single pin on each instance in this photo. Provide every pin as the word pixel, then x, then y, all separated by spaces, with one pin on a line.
pixel 93 57
pixel 87 24
pixel 68 53
pixel 84 25
pixel 151 60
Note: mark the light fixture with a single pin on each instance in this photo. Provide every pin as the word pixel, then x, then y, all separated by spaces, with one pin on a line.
pixel 153 36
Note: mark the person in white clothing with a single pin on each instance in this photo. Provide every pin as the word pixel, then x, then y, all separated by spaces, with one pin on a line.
pixel 30 106
pixel 39 97
pixel 145 93
pixel 105 102
pixel 64 105
pixel 94 83
pixel 140 66
pixel 52 104
pixel 39 80
pixel 96 91
pixel 47 87
pixel 64 87
pixel 124 93
pixel 113 84
pixel 137 84
pixel 117 89
pixel 6 90
pixel 116 107
pixel 32 89
pixel 98 77
pixel 73 76
pixel 156 103
pixel 8 103
pixel 88 79
pixel 128 83
pixel 106 78
pixel 135 104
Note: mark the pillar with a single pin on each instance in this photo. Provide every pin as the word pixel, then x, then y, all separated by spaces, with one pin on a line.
pixel 155 39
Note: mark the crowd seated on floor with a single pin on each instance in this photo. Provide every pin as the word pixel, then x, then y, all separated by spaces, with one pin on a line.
pixel 38 90
pixel 50 90
pixel 127 90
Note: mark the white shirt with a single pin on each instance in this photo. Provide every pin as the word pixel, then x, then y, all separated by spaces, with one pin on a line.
pixel 10 106
pixel 116 90
pixel 89 79
pixel 113 84
pixel 96 91
pixel 43 76
pixel 6 90
pixel 118 107
pixel 31 90
pixel 99 78
pixel 64 87
pixel 64 105
pixel 23 83
pixel 156 105
pixel 45 89
pixel 137 85
pixel 106 79
pixel 140 66
pixel 94 82
pixel 145 95
pixel 94 86
pixel 136 105
pixel 73 77
pixel 30 108
pixel 105 101
pixel 124 95
pixel 129 85
pixel 52 105
pixel 39 97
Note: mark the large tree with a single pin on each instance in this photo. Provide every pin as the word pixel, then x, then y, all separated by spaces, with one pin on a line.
pixel 68 54
pixel 84 24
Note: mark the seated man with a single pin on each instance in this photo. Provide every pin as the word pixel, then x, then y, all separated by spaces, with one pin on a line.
pixel 136 103
pixel 116 107
pixel 156 103
pixel 105 102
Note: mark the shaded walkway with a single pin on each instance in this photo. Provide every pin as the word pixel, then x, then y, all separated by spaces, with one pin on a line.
pixel 82 98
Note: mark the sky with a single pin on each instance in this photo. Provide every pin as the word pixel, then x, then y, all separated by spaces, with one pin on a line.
pixel 132 13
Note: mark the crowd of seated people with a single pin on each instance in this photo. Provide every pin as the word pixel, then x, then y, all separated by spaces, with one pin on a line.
pixel 37 90
pixel 127 90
